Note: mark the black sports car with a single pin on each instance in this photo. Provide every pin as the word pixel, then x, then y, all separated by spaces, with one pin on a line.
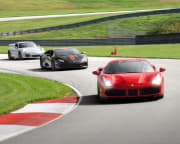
pixel 63 58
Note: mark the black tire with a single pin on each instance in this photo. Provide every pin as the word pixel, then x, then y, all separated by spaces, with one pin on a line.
pixel 103 100
pixel 41 64
pixel 98 91
pixel 9 55
pixel 100 98
pixel 53 66
pixel 86 66
pixel 161 96
pixel 20 56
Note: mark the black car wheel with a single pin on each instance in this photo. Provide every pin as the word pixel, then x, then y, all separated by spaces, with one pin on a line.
pixel 9 55
pixel 41 64
pixel 20 56
pixel 53 66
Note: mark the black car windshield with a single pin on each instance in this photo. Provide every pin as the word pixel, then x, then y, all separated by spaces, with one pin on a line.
pixel 27 44
pixel 128 67
pixel 66 51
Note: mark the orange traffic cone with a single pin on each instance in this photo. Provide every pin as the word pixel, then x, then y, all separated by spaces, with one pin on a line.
pixel 114 52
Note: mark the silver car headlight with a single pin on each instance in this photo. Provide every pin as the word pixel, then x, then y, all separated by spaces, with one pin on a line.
pixel 42 49
pixel 61 60
pixel 24 51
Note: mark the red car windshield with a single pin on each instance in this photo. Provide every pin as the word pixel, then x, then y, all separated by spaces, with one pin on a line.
pixel 128 67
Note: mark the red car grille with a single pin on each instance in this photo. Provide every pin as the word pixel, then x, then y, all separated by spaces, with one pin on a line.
pixel 132 92
pixel 147 91
pixel 114 92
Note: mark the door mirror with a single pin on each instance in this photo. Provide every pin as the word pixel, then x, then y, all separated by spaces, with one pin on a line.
pixel 96 73
pixel 154 67
pixel 162 69
pixel 100 69
pixel 83 52
pixel 16 45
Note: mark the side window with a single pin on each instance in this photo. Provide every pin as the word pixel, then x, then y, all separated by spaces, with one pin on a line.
pixel 16 45
pixel 49 53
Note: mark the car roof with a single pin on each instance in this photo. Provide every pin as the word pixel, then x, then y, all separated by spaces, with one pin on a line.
pixel 65 49
pixel 25 42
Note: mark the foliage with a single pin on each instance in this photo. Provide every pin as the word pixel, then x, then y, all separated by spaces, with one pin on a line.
pixel 171 25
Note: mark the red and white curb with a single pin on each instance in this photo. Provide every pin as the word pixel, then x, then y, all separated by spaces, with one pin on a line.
pixel 34 115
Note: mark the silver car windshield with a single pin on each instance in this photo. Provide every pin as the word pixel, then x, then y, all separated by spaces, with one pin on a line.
pixel 27 44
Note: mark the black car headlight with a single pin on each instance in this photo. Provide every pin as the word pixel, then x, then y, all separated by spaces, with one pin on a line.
pixel 84 59
pixel 60 60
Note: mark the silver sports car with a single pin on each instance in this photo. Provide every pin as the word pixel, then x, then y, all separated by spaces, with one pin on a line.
pixel 26 49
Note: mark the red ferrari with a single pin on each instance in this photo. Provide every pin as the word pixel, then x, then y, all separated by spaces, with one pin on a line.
pixel 129 78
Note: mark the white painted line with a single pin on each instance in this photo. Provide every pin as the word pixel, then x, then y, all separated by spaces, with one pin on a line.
pixel 70 15
pixel 7 131
pixel 46 107
pixel 3 56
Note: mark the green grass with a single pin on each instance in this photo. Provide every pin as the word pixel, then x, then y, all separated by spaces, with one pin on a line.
pixel 109 29
pixel 18 90
pixel 170 51
pixel 8 26
pixel 41 7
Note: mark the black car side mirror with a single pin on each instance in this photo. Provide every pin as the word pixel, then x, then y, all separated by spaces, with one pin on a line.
pixel 83 52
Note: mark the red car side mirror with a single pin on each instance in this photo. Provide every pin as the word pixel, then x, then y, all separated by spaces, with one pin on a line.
pixel 100 68
pixel 162 69
pixel 96 73
pixel 154 67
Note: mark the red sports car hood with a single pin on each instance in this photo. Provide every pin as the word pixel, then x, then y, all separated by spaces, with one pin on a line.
pixel 127 79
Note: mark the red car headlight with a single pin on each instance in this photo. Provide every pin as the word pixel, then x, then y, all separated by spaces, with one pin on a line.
pixel 107 82
pixel 157 80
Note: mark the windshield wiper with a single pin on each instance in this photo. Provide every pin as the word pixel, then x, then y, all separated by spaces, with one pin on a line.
pixel 132 72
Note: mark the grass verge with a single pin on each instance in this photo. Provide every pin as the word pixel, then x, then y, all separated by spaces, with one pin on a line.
pixel 18 90
pixel 169 51
pixel 17 25
pixel 126 27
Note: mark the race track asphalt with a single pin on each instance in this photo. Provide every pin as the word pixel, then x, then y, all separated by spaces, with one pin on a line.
pixel 122 122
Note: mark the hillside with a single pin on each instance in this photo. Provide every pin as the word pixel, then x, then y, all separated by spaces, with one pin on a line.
pixel 43 7
pixel 127 27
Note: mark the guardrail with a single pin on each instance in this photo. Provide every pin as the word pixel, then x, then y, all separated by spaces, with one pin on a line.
pixel 156 12
pixel 158 39
pixel 138 40
pixel 77 42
